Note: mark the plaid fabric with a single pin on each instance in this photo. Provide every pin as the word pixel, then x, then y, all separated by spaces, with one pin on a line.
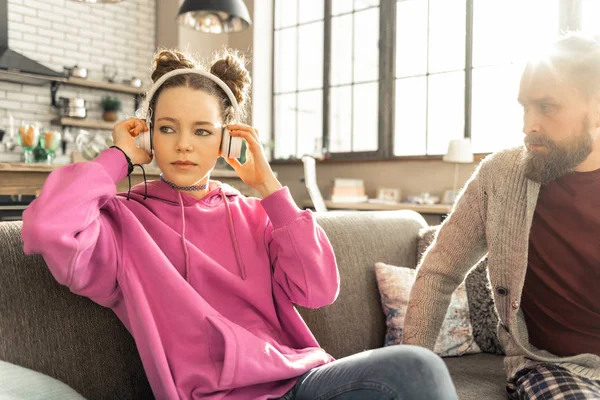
pixel 551 382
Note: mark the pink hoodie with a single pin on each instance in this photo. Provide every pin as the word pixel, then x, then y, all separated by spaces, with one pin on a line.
pixel 206 287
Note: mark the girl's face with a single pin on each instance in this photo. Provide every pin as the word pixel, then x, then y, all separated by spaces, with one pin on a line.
pixel 186 135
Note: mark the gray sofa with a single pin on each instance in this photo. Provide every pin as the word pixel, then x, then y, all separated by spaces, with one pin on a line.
pixel 48 329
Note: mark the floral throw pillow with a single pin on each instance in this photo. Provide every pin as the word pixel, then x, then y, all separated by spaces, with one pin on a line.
pixel 456 334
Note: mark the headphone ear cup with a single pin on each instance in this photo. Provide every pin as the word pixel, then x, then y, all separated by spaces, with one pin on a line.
pixel 231 147
pixel 235 147
pixel 145 142
pixel 225 143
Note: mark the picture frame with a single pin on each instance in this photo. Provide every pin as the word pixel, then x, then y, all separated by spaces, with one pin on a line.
pixel 391 195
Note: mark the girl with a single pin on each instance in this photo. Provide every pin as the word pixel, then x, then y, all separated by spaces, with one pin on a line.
pixel 204 278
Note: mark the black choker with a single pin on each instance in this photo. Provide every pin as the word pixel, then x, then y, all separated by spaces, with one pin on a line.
pixel 185 188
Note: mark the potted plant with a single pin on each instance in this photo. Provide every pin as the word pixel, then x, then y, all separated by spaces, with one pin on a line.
pixel 110 106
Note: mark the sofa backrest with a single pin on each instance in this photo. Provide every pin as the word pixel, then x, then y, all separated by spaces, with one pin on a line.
pixel 355 322
pixel 45 327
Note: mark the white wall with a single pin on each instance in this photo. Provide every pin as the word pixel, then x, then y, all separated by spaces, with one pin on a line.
pixel 262 63
pixel 64 32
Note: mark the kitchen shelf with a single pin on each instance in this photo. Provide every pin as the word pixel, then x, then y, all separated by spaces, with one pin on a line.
pixel 84 123
pixel 115 87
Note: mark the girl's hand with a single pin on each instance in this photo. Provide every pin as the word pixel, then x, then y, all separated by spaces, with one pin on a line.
pixel 256 171
pixel 123 136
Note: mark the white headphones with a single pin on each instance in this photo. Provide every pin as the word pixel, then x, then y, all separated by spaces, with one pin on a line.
pixel 231 147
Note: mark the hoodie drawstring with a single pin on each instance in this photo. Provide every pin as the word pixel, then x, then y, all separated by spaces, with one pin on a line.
pixel 236 248
pixel 145 183
pixel 183 241
pixel 234 241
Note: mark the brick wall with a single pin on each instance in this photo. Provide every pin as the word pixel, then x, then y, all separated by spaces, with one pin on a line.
pixel 61 33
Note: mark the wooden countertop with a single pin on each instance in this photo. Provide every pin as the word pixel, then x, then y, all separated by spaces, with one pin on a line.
pixel 28 179
pixel 22 167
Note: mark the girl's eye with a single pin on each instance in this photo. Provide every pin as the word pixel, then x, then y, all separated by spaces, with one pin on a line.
pixel 202 132
pixel 166 129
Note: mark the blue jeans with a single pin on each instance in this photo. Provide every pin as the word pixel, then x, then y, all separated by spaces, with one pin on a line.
pixel 395 372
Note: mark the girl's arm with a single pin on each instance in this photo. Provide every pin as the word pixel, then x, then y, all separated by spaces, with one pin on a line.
pixel 74 225
pixel 301 256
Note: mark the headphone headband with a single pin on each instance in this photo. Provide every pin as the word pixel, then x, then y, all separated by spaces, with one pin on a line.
pixel 183 71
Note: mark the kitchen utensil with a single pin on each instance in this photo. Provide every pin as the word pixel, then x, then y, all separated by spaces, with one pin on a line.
pixel 78 72
pixel 90 145
pixel 72 107
pixel 9 140
pixel 28 138
pixel 51 141
pixel 133 82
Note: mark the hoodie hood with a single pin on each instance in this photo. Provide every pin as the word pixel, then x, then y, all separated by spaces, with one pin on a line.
pixel 159 190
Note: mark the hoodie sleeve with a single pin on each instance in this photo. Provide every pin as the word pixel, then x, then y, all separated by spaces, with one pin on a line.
pixel 301 256
pixel 72 225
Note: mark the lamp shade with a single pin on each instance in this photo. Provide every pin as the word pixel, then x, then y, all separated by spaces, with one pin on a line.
pixel 459 151
pixel 214 16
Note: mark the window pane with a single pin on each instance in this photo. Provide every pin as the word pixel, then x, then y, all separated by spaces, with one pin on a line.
pixel 411 116
pixel 532 23
pixel 590 16
pixel 285 125
pixel 447 19
pixel 446 110
pixel 365 118
pixel 285 60
pixel 310 54
pixel 341 50
pixel 340 6
pixel 366 45
pixel 286 13
pixel 310 122
pixel 340 119
pixel 411 38
pixel 497 116
pixel 362 4
pixel 309 11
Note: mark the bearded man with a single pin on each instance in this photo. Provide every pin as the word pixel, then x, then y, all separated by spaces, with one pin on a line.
pixel 535 212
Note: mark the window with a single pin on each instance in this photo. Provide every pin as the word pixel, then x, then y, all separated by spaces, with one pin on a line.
pixel 354 76
pixel 430 77
pixel 590 12
pixel 394 78
pixel 498 61
pixel 298 77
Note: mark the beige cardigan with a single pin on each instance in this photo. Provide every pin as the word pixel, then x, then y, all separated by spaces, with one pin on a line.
pixel 492 216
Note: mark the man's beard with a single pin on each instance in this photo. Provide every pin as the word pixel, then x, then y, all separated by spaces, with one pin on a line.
pixel 558 159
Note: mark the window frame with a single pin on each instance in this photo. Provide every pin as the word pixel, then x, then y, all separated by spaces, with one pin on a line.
pixel 569 19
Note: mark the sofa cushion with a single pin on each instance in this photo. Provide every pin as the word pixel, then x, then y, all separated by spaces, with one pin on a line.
pixel 484 317
pixel 18 383
pixel 478 376
pixel 456 333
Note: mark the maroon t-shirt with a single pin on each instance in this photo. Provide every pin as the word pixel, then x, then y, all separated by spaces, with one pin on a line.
pixel 561 296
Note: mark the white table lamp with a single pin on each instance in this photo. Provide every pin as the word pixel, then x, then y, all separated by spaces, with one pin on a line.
pixel 459 152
